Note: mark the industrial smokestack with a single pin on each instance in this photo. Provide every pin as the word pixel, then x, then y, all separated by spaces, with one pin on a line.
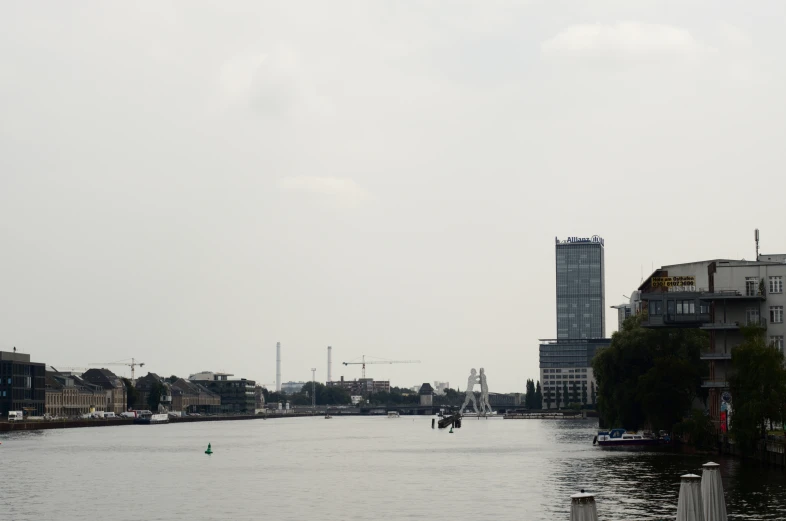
pixel 278 367
pixel 330 365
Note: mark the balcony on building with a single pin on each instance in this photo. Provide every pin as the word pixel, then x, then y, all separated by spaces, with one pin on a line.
pixel 720 325
pixel 675 309
pixel 748 293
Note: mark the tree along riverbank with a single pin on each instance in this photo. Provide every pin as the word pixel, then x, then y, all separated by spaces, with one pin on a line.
pixel 652 379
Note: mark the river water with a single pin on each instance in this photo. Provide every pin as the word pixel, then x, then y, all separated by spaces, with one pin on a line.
pixel 354 468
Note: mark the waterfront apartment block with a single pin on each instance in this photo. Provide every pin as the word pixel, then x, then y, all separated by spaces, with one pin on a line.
pixel 581 323
pixel 69 395
pixel 719 296
pixel 114 389
pixel 237 395
pixel 362 386
pixel 193 397
pixel 22 384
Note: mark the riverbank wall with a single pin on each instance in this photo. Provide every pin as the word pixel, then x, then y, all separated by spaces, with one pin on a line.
pixel 771 451
pixel 118 422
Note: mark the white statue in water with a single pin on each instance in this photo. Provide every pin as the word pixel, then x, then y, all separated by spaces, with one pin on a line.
pixel 471 381
pixel 485 406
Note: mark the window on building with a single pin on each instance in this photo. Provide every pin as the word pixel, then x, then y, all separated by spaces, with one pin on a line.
pixel 655 307
pixel 777 341
pixel 776 284
pixel 752 316
pixel 686 307
pixel 776 314
pixel 751 286
pixel 670 307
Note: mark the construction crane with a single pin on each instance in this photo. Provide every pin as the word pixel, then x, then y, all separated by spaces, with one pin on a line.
pixel 61 368
pixel 132 364
pixel 363 362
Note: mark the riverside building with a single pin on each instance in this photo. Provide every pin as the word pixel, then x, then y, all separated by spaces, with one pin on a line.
pixel 362 386
pixel 566 361
pixel 718 296
pixel 22 384
pixel 69 395
pixel 236 395
pixel 624 311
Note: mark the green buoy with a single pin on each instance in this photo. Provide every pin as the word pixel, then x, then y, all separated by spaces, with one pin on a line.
pixel 451 430
pixel 209 450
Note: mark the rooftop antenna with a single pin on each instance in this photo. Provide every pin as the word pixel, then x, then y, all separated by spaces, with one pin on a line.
pixel 757 243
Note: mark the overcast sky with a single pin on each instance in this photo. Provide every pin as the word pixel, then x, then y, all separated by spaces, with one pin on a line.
pixel 188 183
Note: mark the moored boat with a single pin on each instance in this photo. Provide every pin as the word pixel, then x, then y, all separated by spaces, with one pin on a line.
pixel 622 439
pixel 150 419
pixel 393 414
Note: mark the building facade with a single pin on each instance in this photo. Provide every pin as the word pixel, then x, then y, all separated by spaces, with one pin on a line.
pixel 623 312
pixel 363 386
pixel 69 395
pixel 22 384
pixel 292 387
pixel 114 389
pixel 237 395
pixel 426 393
pixel 581 309
pixel 145 385
pixel 441 387
pixel 718 296
pixel 194 397
pixel 581 323
pixel 567 364
pixel 505 400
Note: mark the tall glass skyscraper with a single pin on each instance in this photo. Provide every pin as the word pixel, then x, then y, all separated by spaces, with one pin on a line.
pixel 581 309
pixel 566 372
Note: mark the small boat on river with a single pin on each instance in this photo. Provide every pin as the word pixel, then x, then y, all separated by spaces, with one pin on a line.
pixel 151 419
pixel 633 440
pixel 393 414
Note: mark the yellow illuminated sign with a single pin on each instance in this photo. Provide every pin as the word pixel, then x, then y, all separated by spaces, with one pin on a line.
pixel 669 282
